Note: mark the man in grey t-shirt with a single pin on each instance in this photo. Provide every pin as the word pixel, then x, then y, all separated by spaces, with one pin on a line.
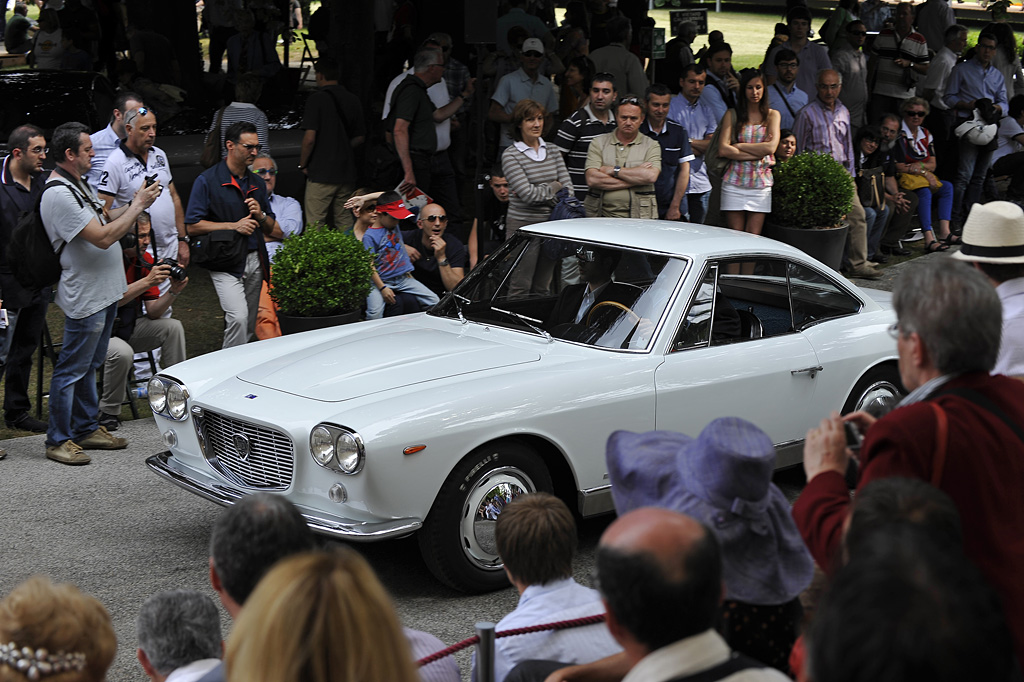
pixel 92 281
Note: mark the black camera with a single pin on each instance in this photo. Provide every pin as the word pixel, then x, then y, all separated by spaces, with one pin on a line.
pixel 150 179
pixel 177 272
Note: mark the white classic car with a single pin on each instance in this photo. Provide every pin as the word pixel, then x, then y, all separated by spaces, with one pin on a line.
pixel 430 423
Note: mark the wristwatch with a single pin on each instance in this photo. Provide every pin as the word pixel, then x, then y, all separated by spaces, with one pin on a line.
pixel 615 171
pixel 441 263
pixel 184 239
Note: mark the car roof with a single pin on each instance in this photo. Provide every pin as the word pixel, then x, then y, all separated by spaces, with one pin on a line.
pixel 665 236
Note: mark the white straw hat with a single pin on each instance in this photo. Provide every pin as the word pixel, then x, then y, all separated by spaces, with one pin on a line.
pixel 993 233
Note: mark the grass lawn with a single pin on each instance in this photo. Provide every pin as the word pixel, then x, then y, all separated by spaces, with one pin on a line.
pixel 748 34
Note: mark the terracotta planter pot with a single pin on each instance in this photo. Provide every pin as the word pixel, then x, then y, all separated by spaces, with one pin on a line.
pixel 825 245
pixel 294 325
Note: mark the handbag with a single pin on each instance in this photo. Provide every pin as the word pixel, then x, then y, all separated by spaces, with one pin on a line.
pixel 912 182
pixel 715 163
pixel 211 148
pixel 871 186
pixel 219 251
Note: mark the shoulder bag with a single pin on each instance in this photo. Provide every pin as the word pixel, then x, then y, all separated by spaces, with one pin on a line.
pixel 211 148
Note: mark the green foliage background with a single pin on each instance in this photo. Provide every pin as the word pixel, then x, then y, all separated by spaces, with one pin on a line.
pixel 321 272
pixel 811 190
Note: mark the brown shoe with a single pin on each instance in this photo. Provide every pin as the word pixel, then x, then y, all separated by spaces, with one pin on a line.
pixel 67 452
pixel 100 439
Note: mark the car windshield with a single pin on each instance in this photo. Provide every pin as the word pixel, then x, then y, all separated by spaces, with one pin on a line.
pixel 603 296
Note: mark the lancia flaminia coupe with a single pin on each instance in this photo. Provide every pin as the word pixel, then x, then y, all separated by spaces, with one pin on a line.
pixel 431 423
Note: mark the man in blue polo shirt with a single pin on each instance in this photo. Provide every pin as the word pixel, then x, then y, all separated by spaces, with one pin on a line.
pixel 525 82
pixel 676 155
pixel 227 205
pixel 690 111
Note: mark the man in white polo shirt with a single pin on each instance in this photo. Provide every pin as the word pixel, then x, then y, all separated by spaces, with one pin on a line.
pixel 135 159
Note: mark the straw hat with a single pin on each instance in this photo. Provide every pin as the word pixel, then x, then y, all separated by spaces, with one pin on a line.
pixel 993 233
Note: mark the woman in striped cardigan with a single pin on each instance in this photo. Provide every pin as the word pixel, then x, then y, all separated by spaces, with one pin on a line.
pixel 534 176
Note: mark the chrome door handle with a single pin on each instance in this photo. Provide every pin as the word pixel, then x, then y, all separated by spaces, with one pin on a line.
pixel 808 370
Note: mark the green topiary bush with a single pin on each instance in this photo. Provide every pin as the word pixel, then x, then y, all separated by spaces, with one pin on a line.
pixel 321 272
pixel 811 190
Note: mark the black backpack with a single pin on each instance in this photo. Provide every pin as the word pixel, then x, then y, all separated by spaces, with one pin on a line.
pixel 30 254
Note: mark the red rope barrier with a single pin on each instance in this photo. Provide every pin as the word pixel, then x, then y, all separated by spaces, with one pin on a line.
pixel 470 641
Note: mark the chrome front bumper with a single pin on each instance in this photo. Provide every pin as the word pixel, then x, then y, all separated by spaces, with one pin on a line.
pixel 214 490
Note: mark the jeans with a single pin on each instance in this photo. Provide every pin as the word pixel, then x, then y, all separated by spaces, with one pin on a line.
pixel 876 218
pixel 404 284
pixel 697 206
pixel 970 176
pixel 74 403
pixel 924 208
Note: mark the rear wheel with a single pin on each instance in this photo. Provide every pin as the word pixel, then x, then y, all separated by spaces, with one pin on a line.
pixel 457 538
pixel 877 392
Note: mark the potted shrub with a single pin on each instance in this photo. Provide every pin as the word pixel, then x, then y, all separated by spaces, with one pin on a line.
pixel 320 278
pixel 810 199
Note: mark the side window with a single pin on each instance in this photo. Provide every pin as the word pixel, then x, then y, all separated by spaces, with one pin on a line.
pixel 815 298
pixel 695 331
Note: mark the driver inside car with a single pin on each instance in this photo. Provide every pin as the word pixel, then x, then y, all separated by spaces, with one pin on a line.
pixel 579 306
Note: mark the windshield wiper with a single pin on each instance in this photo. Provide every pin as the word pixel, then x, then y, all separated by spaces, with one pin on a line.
pixel 528 321
pixel 458 308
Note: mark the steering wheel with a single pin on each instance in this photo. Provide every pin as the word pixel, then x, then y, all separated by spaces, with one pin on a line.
pixel 612 304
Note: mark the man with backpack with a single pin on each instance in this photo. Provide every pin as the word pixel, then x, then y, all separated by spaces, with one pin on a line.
pixel 92 282
pixel 333 121
pixel 21 183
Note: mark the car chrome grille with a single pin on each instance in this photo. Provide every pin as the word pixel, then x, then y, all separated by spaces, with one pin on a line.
pixel 251 455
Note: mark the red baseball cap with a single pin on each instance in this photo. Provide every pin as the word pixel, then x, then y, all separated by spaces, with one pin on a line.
pixel 395 209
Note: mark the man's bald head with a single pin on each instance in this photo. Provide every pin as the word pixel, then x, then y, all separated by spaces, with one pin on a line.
pixel 660 573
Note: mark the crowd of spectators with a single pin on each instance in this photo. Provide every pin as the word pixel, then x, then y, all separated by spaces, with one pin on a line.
pixel 706 571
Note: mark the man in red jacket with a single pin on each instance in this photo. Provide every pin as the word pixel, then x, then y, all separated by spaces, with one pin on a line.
pixel 959 428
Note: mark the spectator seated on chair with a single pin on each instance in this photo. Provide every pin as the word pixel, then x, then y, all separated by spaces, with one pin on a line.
pixel 143 322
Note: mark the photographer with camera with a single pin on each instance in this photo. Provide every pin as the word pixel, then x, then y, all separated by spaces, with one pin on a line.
pixel 141 324
pixel 137 161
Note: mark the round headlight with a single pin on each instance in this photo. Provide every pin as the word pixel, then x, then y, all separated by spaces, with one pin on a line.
pixel 157 395
pixel 321 445
pixel 348 453
pixel 176 401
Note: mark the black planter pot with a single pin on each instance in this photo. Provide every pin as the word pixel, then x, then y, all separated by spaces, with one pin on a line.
pixel 826 245
pixel 294 325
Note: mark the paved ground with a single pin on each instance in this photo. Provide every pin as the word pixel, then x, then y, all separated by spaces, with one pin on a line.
pixel 121 534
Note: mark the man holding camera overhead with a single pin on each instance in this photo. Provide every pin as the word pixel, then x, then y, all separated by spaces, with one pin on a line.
pixel 135 161
pixel 143 320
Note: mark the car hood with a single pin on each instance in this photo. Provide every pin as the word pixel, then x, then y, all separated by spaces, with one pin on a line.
pixel 380 360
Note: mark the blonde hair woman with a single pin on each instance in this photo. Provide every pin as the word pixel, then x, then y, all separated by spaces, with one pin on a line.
pixel 54 633
pixel 321 617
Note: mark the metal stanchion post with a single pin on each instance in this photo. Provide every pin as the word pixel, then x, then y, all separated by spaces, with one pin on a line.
pixel 485 652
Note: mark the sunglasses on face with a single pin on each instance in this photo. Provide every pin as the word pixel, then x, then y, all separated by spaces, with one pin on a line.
pixel 915 114
pixel 265 171
pixel 858 33
pixel 251 147
pixel 436 218
pixel 533 53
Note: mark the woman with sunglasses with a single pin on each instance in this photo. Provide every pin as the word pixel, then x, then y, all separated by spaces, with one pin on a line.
pixel 534 176
pixel 914 155
pixel 870 167
pixel 749 137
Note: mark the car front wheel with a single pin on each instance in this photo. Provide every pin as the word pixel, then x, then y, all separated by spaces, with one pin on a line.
pixel 457 538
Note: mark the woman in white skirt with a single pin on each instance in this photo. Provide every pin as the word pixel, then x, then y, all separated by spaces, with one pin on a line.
pixel 749 136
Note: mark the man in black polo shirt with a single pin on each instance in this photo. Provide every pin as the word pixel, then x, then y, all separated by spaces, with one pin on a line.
pixel 676 155
pixel 21 183
pixel 412 118
pixel 576 132
pixel 439 259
